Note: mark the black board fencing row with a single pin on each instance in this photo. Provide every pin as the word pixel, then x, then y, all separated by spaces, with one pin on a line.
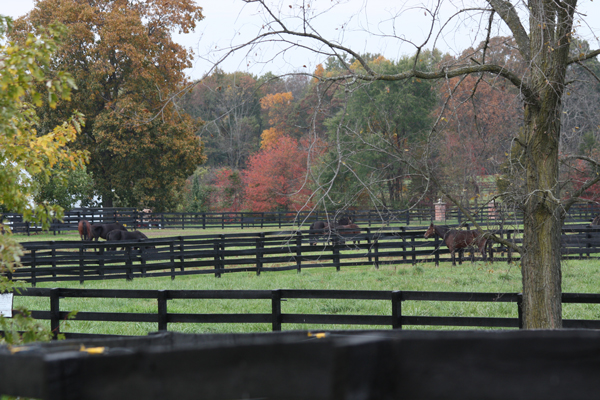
pixel 277 317
pixel 206 220
pixel 257 252
pixel 391 364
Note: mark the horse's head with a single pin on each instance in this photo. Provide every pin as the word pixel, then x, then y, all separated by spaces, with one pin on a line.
pixel 430 231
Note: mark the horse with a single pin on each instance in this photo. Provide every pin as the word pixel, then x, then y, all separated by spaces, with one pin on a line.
pixel 85 230
pixel 316 228
pixel 351 230
pixel 117 235
pixel 345 220
pixel 102 230
pixel 458 239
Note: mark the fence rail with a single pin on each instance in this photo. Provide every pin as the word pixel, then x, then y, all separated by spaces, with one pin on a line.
pixel 257 252
pixel 277 317
pixel 206 220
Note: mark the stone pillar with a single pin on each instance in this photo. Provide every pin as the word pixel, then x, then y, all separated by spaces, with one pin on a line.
pixel 440 210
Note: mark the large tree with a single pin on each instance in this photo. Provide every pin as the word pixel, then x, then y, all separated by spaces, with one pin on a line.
pixel 542 31
pixel 127 67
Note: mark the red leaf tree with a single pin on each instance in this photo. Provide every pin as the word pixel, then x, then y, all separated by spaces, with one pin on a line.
pixel 276 178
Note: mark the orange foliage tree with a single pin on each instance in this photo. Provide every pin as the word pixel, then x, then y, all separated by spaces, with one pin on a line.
pixel 276 178
pixel 279 107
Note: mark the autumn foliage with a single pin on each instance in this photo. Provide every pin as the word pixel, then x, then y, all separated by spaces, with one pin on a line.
pixel 276 178
pixel 278 107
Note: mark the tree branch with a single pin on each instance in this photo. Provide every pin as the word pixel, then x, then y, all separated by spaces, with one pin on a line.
pixel 508 13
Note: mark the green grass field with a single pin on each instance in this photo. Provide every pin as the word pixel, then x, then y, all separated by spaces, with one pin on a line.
pixel 578 277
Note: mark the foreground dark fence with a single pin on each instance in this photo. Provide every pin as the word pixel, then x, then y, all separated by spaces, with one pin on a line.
pixel 277 318
pixel 416 217
pixel 550 365
pixel 257 252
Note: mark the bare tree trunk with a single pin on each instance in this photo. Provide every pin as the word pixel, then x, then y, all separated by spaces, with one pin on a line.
pixel 543 211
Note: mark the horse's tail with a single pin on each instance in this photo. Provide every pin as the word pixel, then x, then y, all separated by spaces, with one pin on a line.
pixel 85 230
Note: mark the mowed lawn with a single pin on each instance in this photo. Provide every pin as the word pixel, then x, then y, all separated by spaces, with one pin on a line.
pixel 498 277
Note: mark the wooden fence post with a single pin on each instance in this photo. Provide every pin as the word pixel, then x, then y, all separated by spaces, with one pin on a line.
pixel 128 263
pixel 53 252
pixel 397 309
pixel 81 274
pixel 414 256
pixel 172 254
pixel 298 251
pixel 162 310
pixel 260 245
pixel 520 309
pixel 276 309
pixel 437 245
pixel 376 247
pixel 33 267
pixel 182 253
pixel 509 250
pixel 336 255
pixel 55 312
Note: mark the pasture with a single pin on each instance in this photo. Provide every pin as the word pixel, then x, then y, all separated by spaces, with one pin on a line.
pixel 497 277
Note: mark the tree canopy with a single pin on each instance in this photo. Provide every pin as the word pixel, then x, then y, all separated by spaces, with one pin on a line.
pixel 126 67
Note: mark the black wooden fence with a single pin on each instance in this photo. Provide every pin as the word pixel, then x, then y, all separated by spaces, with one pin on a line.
pixel 396 319
pixel 392 364
pixel 206 220
pixel 256 252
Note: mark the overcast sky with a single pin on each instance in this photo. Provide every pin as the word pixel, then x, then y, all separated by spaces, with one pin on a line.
pixel 233 21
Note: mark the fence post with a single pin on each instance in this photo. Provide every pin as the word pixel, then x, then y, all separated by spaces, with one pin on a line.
pixel 260 245
pixel 437 244
pixel 509 251
pixel 376 247
pixel 172 254
pixel 128 264
pixel 397 309
pixel 299 251
pixel 336 255
pixel 368 230
pixel 218 259
pixel 182 253
pixel 276 309
pixel 162 310
pixel 81 274
pixel 53 259
pixel 33 267
pixel 55 312
pixel 520 309
pixel 412 248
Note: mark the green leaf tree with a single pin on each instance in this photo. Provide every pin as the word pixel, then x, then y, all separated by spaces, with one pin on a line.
pixel 26 153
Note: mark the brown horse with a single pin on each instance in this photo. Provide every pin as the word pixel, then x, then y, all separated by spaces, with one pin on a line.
pixel 85 230
pixel 351 231
pixel 458 239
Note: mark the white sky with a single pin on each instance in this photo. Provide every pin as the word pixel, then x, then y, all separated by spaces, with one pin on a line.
pixel 232 21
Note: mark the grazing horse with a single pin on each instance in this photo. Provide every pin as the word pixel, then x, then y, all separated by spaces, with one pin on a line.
pixel 351 230
pixel 85 230
pixel 117 235
pixel 316 228
pixel 345 220
pixel 458 239
pixel 102 230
